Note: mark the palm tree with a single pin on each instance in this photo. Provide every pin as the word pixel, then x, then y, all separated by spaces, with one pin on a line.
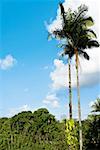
pixel 76 30
pixel 67 50
pixel 83 40
pixel 96 105
pixel 69 65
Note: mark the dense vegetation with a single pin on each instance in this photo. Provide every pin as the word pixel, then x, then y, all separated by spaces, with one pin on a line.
pixel 41 131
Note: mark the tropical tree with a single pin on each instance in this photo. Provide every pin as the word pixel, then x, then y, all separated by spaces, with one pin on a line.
pixel 91 134
pixel 69 65
pixel 96 105
pixel 76 31
pixel 26 131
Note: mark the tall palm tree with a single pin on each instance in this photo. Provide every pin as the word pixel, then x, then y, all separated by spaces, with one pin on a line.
pixel 67 50
pixel 83 40
pixel 76 30
pixel 96 105
pixel 69 65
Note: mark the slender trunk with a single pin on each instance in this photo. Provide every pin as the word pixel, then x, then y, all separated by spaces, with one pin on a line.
pixel 11 141
pixel 78 95
pixel 70 90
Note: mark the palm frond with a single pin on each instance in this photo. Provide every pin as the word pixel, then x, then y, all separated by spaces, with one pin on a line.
pixel 59 34
pixel 81 12
pixel 82 42
pixel 84 54
pixel 61 45
pixel 87 21
pixel 89 32
pixel 76 31
pixel 93 43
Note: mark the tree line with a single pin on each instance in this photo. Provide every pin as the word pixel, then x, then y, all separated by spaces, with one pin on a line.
pixel 40 130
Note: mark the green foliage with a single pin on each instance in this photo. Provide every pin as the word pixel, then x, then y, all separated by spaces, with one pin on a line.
pixel 28 131
pixel 91 133
pixel 77 32
pixel 71 135
pixel 41 131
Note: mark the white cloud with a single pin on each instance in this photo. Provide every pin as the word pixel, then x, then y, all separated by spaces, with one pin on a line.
pixel 14 111
pixel 52 99
pixel 56 24
pixel 8 62
pixel 89 72
pixel 59 75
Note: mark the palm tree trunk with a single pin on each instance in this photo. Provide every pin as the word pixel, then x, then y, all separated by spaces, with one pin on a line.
pixel 78 95
pixel 70 90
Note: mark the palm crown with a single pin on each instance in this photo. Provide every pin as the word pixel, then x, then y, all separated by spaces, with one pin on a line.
pixel 77 32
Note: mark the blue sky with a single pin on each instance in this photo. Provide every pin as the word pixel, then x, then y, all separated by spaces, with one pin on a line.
pixel 27 60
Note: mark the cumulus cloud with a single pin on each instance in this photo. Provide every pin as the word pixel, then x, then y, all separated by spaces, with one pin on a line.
pixel 51 99
pixel 56 24
pixel 7 62
pixel 89 71
pixel 59 75
pixel 14 111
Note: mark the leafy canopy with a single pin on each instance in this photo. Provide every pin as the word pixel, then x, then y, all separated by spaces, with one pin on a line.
pixel 76 31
